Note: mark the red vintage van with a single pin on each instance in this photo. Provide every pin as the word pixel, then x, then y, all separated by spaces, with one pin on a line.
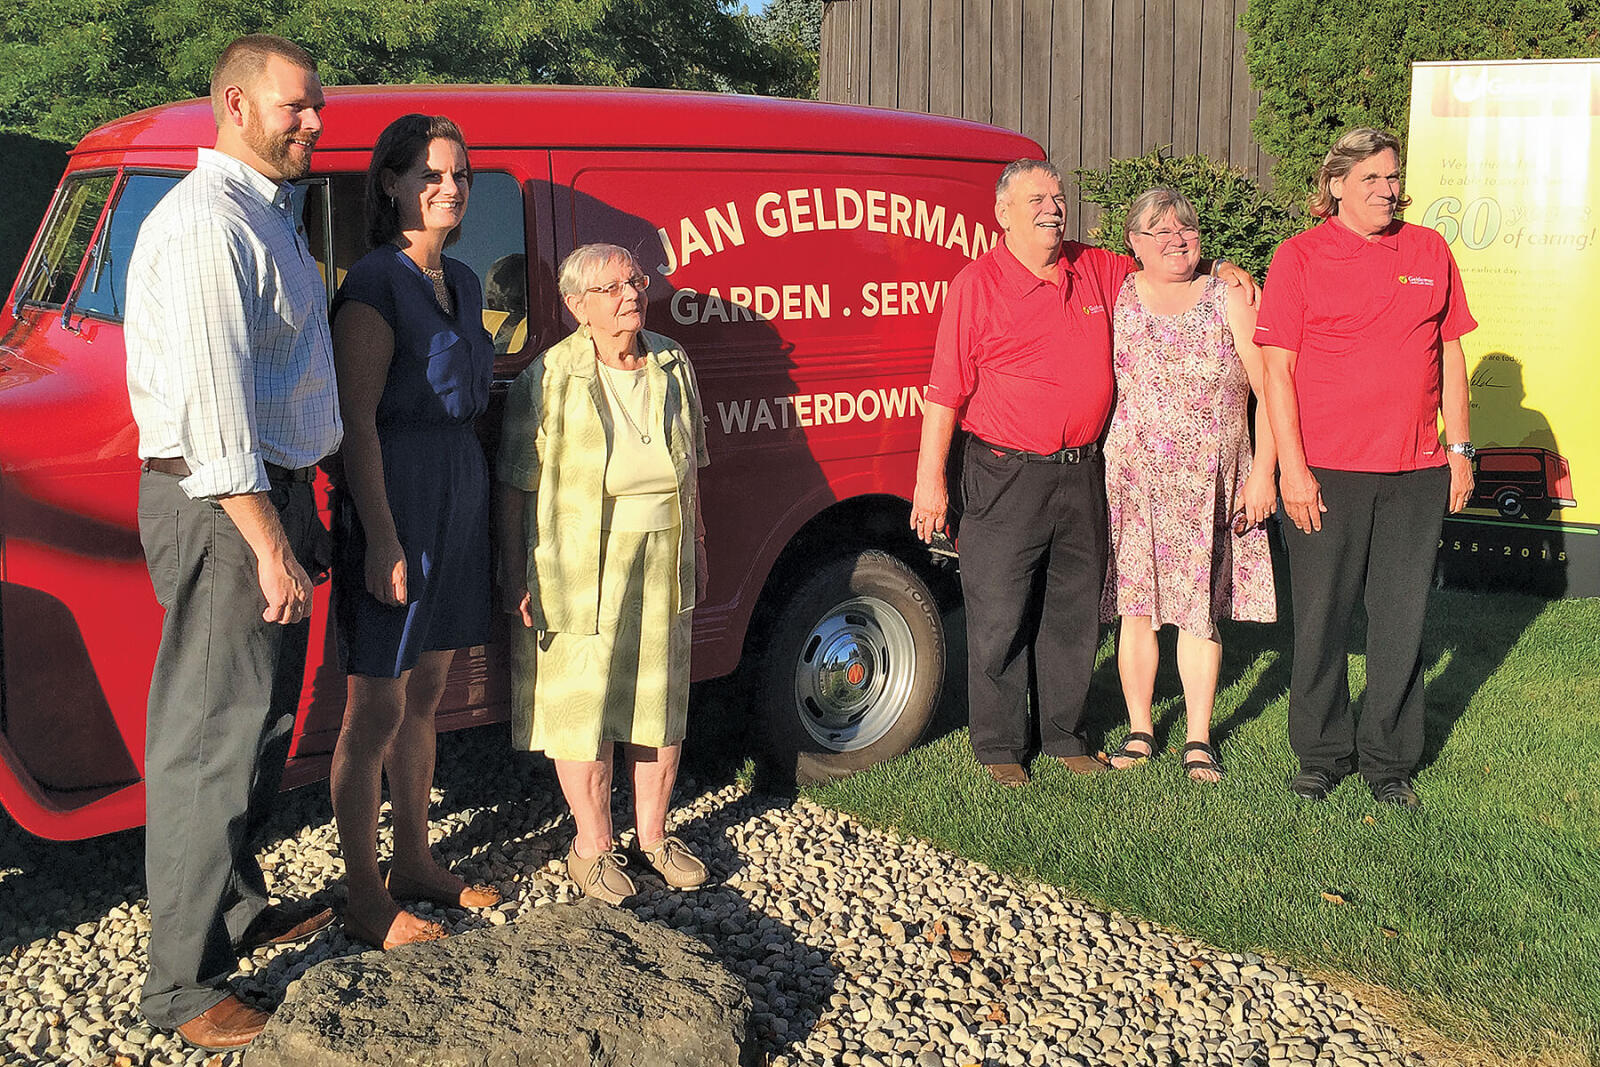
pixel 802 253
pixel 1519 483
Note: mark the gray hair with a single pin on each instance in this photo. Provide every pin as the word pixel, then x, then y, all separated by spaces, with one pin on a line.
pixel 1152 204
pixel 1017 168
pixel 584 263
pixel 1358 144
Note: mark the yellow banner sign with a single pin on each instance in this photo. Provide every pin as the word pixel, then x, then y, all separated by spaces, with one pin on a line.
pixel 1504 161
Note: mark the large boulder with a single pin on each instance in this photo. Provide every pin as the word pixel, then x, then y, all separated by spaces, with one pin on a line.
pixel 578 984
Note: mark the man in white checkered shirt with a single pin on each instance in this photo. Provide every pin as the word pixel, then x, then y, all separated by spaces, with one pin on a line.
pixel 231 380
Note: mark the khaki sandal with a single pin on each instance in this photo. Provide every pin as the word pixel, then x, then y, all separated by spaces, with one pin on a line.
pixel 677 866
pixel 601 876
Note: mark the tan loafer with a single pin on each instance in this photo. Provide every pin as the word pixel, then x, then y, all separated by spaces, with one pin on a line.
pixel 1085 764
pixel 676 865
pixel 601 876
pixel 1010 775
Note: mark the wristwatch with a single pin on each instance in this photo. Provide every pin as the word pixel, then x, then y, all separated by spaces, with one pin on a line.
pixel 1463 449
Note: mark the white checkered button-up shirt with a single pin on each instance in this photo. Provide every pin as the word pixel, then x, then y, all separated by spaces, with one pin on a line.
pixel 230 363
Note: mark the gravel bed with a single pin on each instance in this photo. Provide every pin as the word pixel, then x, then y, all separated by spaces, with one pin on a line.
pixel 857 946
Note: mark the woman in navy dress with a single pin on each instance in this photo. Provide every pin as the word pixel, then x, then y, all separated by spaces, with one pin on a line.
pixel 411 575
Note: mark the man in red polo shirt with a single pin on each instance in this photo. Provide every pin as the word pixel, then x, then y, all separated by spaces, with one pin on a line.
pixel 1361 323
pixel 1023 363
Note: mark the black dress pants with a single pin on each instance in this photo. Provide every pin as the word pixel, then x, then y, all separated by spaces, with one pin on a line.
pixel 1033 558
pixel 223 698
pixel 1378 542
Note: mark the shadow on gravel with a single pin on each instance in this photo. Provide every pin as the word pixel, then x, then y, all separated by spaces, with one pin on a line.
pixel 50 886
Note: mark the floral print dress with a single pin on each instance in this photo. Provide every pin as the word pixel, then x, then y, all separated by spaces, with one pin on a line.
pixel 1177 456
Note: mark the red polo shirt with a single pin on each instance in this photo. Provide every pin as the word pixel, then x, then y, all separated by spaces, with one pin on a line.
pixel 1026 361
pixel 1368 320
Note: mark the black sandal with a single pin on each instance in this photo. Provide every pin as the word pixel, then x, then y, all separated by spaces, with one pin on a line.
pixel 1208 760
pixel 1136 759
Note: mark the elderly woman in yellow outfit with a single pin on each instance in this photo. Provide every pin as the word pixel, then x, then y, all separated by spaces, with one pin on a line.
pixel 603 557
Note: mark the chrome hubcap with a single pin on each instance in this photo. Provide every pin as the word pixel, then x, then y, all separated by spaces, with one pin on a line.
pixel 855 674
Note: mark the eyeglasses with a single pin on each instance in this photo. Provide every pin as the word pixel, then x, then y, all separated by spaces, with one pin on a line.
pixel 639 283
pixel 1187 234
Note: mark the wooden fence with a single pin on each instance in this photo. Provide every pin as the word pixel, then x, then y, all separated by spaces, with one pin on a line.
pixel 1090 80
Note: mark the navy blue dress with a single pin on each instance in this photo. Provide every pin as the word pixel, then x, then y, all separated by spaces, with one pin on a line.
pixel 433 471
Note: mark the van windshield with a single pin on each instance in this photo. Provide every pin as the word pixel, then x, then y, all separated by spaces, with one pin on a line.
pixel 103 288
pixel 49 276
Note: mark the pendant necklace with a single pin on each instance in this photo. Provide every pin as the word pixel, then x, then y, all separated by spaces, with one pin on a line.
pixel 605 379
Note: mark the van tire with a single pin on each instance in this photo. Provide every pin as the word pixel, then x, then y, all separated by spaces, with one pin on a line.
pixel 853 671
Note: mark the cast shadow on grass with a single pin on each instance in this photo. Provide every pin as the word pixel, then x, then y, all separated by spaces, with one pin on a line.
pixel 1254 654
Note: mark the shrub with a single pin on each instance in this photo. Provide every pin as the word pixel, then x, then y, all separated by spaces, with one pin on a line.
pixel 1238 221
pixel 1323 66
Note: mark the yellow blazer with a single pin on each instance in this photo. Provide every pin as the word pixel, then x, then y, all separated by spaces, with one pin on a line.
pixel 553 447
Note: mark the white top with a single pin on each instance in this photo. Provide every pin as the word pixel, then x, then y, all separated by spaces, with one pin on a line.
pixel 230 364
pixel 641 485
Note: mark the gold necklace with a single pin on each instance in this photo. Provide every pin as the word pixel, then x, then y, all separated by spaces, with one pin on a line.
pixel 605 380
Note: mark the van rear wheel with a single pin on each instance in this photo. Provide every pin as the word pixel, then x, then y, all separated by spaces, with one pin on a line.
pixel 854 668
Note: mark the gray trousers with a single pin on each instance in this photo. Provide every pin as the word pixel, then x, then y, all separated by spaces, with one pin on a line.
pixel 223 699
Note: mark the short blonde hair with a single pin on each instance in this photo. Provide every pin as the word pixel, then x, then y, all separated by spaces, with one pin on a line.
pixel 583 263
pixel 1358 144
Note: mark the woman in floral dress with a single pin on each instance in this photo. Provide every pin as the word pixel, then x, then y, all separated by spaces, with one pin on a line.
pixel 1186 497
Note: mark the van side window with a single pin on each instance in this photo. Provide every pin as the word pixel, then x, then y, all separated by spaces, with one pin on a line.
pixel 104 284
pixel 493 245
pixel 48 277
pixel 492 242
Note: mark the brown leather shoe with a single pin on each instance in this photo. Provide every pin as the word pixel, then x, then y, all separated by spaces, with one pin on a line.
pixel 1084 764
pixel 1010 775
pixel 283 924
pixel 229 1023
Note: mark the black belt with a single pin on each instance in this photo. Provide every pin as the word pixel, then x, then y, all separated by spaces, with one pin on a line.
pixel 1076 454
pixel 178 468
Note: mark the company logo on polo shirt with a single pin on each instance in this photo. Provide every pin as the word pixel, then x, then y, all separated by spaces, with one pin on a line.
pixel 1094 309
pixel 1413 279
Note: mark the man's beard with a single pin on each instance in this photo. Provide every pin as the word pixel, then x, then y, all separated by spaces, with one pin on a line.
pixel 276 151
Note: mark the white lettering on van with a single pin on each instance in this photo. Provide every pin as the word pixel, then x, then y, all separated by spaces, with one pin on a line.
pixel 930 224
pixel 780 214
pixel 804 410
pixel 769 215
pixel 727 231
pixel 770 303
pixel 902 297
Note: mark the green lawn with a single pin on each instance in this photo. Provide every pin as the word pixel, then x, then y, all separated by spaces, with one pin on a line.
pixel 1482 910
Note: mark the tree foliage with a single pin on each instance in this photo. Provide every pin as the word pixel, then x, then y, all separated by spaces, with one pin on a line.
pixel 69 65
pixel 1323 66
pixel 795 25
pixel 1238 221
